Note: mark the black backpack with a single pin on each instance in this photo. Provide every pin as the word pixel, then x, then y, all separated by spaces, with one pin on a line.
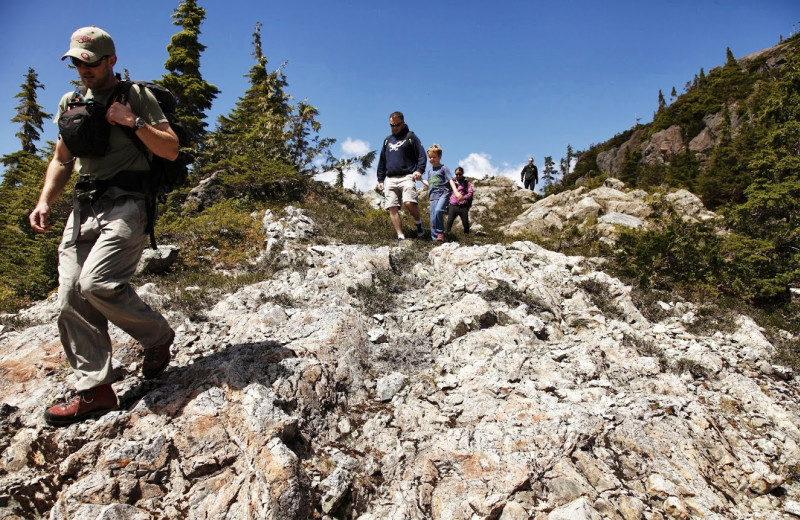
pixel 168 174
pixel 165 175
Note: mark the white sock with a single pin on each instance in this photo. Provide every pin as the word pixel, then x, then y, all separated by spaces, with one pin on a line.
pixel 401 236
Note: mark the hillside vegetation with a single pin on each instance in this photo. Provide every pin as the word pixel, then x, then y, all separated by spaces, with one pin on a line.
pixel 733 138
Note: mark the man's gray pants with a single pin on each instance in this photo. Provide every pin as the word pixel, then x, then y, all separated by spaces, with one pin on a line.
pixel 94 276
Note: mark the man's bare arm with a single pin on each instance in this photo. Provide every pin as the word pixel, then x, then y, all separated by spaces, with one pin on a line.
pixel 56 177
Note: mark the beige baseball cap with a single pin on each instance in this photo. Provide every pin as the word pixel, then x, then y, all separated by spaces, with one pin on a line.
pixel 90 44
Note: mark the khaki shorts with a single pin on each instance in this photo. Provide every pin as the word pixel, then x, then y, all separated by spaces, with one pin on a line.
pixel 399 189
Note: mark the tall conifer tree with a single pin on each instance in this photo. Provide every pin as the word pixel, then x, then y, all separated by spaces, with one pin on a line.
pixel 27 266
pixel 549 172
pixel 254 130
pixel 184 80
pixel 265 127
pixel 30 114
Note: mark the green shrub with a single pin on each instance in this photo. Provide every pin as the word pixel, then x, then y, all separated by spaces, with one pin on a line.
pixel 224 233
pixel 680 255
pixel 601 297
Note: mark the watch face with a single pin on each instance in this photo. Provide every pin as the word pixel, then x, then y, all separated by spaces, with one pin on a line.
pixel 139 123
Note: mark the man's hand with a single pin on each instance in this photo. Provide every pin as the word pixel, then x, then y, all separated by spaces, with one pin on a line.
pixel 119 114
pixel 40 217
pixel 380 186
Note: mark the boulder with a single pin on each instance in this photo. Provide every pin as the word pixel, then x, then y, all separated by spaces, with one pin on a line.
pixel 663 145
pixel 159 260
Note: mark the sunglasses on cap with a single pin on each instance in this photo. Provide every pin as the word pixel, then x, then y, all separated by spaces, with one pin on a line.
pixel 80 63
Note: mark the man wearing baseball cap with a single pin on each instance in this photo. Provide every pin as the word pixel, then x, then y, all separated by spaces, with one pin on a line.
pixel 105 235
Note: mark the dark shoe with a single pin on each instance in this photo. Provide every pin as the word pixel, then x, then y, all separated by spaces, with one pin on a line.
pixel 156 359
pixel 420 231
pixel 94 402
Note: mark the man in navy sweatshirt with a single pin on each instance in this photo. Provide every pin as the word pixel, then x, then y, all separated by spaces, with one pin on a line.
pixel 400 166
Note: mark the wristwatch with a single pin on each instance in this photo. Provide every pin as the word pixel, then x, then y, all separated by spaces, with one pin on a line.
pixel 138 123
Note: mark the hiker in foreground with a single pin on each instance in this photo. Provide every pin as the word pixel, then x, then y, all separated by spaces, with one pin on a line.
pixel 105 235
pixel 460 201
pixel 400 166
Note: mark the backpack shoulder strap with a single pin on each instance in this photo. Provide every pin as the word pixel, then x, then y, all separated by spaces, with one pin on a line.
pixel 410 149
pixel 122 91
pixel 121 94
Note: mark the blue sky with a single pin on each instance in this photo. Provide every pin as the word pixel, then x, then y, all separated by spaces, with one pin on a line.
pixel 491 82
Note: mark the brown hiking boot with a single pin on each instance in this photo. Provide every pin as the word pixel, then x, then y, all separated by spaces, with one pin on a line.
pixel 94 402
pixel 156 359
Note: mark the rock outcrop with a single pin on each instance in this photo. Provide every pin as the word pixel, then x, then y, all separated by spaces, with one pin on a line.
pixel 667 143
pixel 485 382
pixel 606 209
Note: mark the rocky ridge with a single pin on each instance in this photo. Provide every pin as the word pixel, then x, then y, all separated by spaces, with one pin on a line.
pixel 485 382
pixel 663 145
pixel 606 209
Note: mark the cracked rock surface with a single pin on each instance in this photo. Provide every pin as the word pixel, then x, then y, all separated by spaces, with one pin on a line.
pixel 493 384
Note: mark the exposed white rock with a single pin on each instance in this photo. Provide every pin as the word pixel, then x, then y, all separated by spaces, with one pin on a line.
pixel 606 209
pixel 291 400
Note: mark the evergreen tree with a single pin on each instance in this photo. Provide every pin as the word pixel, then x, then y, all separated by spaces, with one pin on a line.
pixel 30 115
pixel 340 166
pixel 662 103
pixel 184 80
pixel 264 126
pixel 564 164
pixel 673 95
pixel 254 131
pixel 549 171
pixel 28 264
pixel 304 142
pixel 729 59
pixel 629 169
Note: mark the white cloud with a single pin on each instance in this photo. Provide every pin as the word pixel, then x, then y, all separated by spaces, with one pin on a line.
pixel 368 181
pixel 363 183
pixel 353 147
pixel 479 165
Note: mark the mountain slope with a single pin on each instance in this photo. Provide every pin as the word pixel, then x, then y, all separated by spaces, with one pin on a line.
pixel 487 381
pixel 688 143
